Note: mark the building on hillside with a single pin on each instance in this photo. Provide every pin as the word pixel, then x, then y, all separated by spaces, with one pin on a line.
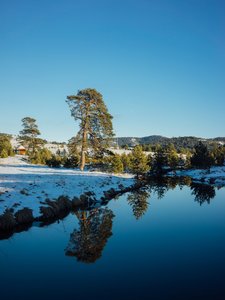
pixel 20 150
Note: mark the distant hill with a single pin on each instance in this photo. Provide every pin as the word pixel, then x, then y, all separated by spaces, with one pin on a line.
pixel 179 142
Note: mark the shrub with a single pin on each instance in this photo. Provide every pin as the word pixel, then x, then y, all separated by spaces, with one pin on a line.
pixel 55 161
pixel 71 162
pixel 40 157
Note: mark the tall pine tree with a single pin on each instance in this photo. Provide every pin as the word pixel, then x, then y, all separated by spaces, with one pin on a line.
pixel 29 134
pixel 96 129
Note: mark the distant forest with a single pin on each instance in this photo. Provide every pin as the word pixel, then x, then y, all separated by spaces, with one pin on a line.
pixel 187 142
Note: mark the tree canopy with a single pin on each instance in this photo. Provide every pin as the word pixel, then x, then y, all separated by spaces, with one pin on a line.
pixel 95 122
pixel 29 134
pixel 201 157
pixel 5 146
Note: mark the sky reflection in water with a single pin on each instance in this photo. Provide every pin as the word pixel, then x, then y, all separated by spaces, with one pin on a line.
pixel 166 241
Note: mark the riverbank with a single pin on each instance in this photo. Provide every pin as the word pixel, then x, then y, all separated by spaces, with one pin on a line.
pixel 31 191
pixel 213 175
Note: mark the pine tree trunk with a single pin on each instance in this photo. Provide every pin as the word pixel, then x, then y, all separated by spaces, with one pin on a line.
pixel 84 146
pixel 82 164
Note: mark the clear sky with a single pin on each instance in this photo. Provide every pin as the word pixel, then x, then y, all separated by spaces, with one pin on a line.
pixel 160 64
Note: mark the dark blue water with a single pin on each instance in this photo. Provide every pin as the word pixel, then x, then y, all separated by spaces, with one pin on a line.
pixel 149 245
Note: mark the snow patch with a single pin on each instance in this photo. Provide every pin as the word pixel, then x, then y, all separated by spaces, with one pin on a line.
pixel 26 185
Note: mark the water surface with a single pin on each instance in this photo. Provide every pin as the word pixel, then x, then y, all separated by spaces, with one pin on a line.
pixel 164 242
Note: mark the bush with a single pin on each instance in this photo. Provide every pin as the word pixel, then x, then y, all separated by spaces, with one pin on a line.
pixel 40 157
pixel 55 161
pixel 71 162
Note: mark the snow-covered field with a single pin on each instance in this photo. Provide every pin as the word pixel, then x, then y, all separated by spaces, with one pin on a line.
pixel 215 175
pixel 26 185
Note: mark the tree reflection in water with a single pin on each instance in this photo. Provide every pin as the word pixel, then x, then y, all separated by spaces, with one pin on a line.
pixel 202 192
pixel 138 201
pixel 88 242
pixel 160 186
pixel 95 226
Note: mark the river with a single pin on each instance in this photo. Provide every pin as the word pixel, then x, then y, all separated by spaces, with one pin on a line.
pixel 162 242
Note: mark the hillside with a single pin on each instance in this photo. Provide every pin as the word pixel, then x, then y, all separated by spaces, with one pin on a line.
pixel 179 142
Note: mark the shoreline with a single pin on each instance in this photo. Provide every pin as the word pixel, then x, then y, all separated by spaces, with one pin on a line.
pixel 32 193
pixel 213 176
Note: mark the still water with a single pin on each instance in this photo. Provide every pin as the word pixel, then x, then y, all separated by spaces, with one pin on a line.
pixel 163 242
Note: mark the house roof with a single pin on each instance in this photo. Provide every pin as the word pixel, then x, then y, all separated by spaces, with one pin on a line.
pixel 21 148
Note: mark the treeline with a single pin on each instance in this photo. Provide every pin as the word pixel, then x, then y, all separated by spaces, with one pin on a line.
pixel 164 159
pixel 160 160
pixel 89 149
pixel 180 143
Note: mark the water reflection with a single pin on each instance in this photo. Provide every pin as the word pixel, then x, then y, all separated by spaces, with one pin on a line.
pixel 202 192
pixel 95 224
pixel 161 185
pixel 88 241
pixel 138 201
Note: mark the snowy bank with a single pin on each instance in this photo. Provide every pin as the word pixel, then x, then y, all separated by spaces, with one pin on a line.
pixel 23 185
pixel 214 175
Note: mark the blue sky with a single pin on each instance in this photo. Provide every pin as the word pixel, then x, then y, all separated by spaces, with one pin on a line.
pixel 159 64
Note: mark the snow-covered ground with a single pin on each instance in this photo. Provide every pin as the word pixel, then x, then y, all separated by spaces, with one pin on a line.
pixel 26 185
pixel 124 151
pixel 215 175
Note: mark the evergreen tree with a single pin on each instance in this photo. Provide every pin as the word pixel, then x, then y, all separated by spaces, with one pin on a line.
pixel 29 134
pixel 71 162
pixel 5 147
pixel 160 161
pixel 72 147
pixel 125 158
pixel 171 156
pixel 55 161
pixel 116 164
pixel 125 147
pixel 3 154
pixel 40 157
pixel 74 158
pixel 96 129
pixel 201 157
pixel 139 162
pixel 218 154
